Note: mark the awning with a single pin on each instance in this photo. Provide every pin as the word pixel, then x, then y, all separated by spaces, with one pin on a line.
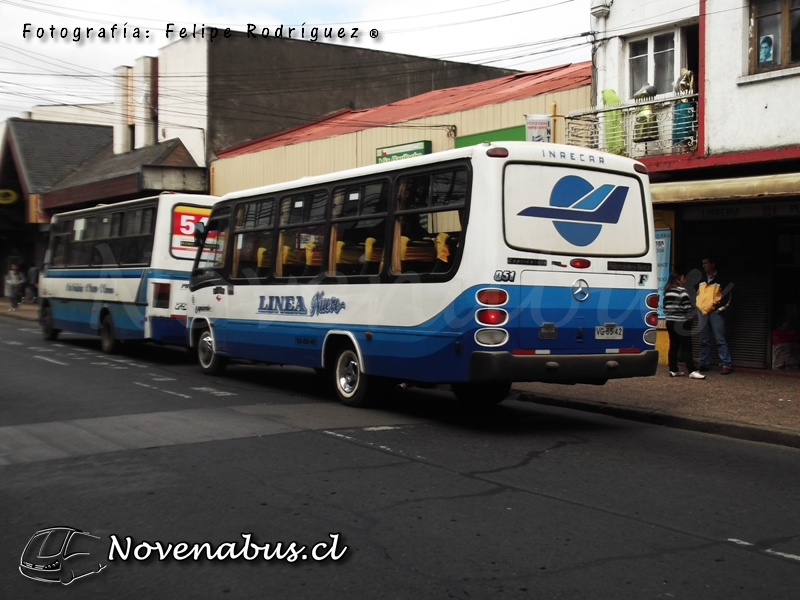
pixel 760 186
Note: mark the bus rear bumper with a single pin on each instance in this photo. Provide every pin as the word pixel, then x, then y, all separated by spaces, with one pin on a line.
pixel 563 368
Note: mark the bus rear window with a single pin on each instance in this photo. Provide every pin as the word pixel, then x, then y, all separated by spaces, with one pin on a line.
pixel 573 211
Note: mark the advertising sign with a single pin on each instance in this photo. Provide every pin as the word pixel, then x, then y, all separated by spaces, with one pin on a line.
pixel 538 128
pixel 663 240
pixel 184 220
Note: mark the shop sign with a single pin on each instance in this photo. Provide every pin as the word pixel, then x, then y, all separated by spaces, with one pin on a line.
pixel 8 196
pixel 392 153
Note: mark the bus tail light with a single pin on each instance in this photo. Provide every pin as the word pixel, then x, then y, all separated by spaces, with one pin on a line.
pixel 492 297
pixel 580 263
pixel 491 316
pixel 651 301
pixel 161 295
pixel 651 319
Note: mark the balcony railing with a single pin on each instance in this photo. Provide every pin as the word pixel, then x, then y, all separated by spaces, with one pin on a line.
pixel 657 126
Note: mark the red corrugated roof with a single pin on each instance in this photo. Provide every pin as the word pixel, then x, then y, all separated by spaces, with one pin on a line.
pixel 437 102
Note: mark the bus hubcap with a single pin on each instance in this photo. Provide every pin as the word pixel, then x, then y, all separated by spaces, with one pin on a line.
pixel 348 374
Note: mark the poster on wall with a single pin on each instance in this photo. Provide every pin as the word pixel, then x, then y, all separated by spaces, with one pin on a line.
pixel 538 128
pixel 663 239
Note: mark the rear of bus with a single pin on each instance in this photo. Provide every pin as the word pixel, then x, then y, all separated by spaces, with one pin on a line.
pixel 575 299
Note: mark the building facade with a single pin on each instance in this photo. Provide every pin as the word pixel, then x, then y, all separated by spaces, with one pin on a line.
pixel 455 117
pixel 702 95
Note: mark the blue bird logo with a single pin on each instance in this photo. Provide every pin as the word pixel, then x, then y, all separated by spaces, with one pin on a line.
pixel 580 209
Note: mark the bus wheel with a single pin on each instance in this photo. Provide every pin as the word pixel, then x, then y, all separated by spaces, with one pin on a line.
pixel 353 386
pixel 108 341
pixel 211 362
pixel 49 332
pixel 481 394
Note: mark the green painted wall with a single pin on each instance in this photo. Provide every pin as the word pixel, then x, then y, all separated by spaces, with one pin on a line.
pixel 509 134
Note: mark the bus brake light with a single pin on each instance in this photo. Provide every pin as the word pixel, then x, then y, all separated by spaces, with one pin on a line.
pixel 651 319
pixel 651 301
pixel 580 263
pixel 491 316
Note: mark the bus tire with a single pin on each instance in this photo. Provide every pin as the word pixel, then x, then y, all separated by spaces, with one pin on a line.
pixel 210 362
pixel 108 339
pixel 49 332
pixel 481 394
pixel 353 387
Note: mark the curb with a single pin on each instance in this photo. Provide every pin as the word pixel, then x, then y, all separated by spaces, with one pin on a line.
pixel 731 429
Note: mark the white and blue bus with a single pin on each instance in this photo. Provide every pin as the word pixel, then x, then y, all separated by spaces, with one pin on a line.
pixel 476 267
pixel 121 270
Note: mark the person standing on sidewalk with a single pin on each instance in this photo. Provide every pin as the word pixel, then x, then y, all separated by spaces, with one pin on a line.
pixel 15 282
pixel 713 299
pixel 678 309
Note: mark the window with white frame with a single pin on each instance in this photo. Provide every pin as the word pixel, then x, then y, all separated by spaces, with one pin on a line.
pixel 652 60
pixel 775 39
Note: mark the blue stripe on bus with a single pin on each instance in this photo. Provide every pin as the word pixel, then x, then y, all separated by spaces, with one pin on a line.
pixel 83 316
pixel 439 349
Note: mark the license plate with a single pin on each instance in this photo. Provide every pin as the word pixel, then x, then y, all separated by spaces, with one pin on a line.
pixel 607 333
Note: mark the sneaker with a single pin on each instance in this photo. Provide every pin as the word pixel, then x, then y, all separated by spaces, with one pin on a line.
pixel 703 368
pixel 676 373
pixel 696 375
pixel 727 370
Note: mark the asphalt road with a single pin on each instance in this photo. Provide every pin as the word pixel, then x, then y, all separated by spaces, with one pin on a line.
pixel 421 500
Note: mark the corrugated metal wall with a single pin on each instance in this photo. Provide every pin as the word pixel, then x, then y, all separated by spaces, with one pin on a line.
pixel 358 149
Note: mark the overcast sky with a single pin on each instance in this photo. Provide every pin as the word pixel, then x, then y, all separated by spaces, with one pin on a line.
pixel 518 34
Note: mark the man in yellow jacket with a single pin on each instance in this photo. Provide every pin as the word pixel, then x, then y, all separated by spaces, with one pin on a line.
pixel 713 299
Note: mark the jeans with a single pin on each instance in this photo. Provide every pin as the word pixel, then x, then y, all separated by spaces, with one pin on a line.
pixel 717 326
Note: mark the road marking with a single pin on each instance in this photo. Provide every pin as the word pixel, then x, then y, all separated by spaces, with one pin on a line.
pixel 782 554
pixel 378 446
pixel 739 542
pixel 14 343
pixel 152 387
pixel 51 360
pixel 40 349
pixel 213 392
pixel 381 428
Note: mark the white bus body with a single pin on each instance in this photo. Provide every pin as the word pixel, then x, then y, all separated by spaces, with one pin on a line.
pixel 476 267
pixel 121 270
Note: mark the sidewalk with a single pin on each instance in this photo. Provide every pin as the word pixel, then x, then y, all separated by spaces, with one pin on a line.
pixel 761 406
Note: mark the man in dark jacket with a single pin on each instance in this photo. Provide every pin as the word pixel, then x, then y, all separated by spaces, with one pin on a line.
pixel 713 299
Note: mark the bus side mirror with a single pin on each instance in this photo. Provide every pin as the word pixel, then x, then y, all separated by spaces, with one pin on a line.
pixel 199 233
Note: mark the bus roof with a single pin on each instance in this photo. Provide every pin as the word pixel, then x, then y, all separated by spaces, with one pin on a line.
pixel 528 151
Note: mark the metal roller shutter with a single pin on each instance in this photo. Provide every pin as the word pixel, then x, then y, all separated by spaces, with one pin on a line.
pixel 743 251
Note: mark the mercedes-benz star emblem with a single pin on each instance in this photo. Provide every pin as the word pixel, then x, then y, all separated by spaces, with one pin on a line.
pixel 580 290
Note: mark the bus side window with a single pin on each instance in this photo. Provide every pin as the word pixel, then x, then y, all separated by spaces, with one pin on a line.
pixel 359 228
pixel 252 250
pixel 428 226
pixel 301 247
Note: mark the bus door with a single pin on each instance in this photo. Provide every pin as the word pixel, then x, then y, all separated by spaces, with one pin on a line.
pixel 210 285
